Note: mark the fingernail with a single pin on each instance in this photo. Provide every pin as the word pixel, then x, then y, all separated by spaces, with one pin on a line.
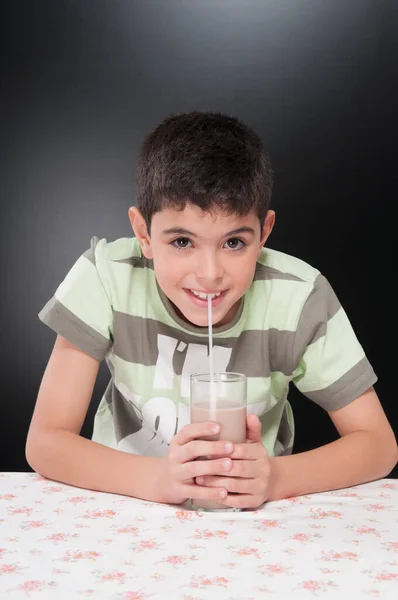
pixel 226 464
pixel 222 494
pixel 215 428
pixel 228 447
pixel 199 480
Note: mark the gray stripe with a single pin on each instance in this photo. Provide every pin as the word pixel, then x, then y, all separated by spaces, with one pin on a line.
pixel 349 387
pixel 66 323
pixel 261 352
pixel 109 362
pixel 284 439
pixel 126 418
pixel 139 262
pixel 321 305
pixel 108 395
pixel 90 253
pixel 257 354
pixel 263 272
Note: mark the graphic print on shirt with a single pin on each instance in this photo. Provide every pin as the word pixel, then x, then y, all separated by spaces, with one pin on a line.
pixel 159 416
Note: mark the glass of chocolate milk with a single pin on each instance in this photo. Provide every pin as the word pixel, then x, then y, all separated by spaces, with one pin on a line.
pixel 222 398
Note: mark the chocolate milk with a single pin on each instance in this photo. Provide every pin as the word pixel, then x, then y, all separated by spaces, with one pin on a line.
pixel 232 421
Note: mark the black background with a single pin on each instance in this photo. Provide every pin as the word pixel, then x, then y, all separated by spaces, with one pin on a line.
pixel 82 83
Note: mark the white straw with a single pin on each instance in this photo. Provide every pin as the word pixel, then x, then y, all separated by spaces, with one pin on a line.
pixel 211 365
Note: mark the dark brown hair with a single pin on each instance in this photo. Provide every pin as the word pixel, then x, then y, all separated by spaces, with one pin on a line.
pixel 209 159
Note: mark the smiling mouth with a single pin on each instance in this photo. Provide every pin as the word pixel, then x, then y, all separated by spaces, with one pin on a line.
pixel 203 297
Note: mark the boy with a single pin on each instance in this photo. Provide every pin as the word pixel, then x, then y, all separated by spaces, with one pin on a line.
pixel 202 218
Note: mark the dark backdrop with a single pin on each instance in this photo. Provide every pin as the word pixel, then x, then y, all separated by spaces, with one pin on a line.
pixel 83 82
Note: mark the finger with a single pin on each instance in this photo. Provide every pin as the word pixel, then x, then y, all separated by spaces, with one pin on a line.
pixel 194 431
pixel 242 501
pixel 253 428
pixel 237 485
pixel 248 451
pixel 243 468
pixel 196 492
pixel 197 449
pixel 197 468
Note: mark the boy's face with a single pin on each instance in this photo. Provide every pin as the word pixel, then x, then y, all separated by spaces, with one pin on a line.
pixel 196 253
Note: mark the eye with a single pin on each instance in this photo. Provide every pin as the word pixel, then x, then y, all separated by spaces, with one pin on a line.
pixel 235 244
pixel 181 243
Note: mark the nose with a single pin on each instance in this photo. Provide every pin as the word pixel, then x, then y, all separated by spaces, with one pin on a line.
pixel 210 270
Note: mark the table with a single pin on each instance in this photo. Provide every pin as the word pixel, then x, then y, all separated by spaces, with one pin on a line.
pixel 57 541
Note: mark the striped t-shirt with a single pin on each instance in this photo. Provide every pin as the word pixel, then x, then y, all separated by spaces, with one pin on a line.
pixel 289 327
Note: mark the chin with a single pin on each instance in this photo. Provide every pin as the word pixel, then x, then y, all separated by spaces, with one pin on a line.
pixel 202 321
pixel 194 320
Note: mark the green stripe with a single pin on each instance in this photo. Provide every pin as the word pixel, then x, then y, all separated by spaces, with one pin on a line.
pixel 324 362
pixel 77 291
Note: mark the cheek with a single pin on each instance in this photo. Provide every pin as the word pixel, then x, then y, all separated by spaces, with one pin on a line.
pixel 244 281
pixel 244 272
pixel 168 272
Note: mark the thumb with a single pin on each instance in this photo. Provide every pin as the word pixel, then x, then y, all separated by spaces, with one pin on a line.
pixel 253 428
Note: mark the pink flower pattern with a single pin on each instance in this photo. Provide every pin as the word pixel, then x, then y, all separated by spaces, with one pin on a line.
pixel 56 542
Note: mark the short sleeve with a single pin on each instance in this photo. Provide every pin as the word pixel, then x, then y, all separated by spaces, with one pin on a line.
pixel 331 368
pixel 80 309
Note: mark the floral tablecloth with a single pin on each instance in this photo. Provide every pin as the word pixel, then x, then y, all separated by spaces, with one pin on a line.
pixel 59 542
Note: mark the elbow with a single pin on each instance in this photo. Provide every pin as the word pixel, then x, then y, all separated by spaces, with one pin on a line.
pixel 395 457
pixel 34 453
pixel 30 454
pixel 390 457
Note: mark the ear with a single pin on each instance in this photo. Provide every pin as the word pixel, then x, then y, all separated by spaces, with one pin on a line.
pixel 267 228
pixel 141 231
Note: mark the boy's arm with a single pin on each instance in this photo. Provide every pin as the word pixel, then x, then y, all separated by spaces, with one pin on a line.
pixel 367 450
pixel 54 447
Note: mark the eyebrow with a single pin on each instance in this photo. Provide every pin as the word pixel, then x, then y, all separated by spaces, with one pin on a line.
pixel 181 231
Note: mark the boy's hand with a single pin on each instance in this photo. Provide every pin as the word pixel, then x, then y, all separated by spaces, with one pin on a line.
pixel 175 477
pixel 249 480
